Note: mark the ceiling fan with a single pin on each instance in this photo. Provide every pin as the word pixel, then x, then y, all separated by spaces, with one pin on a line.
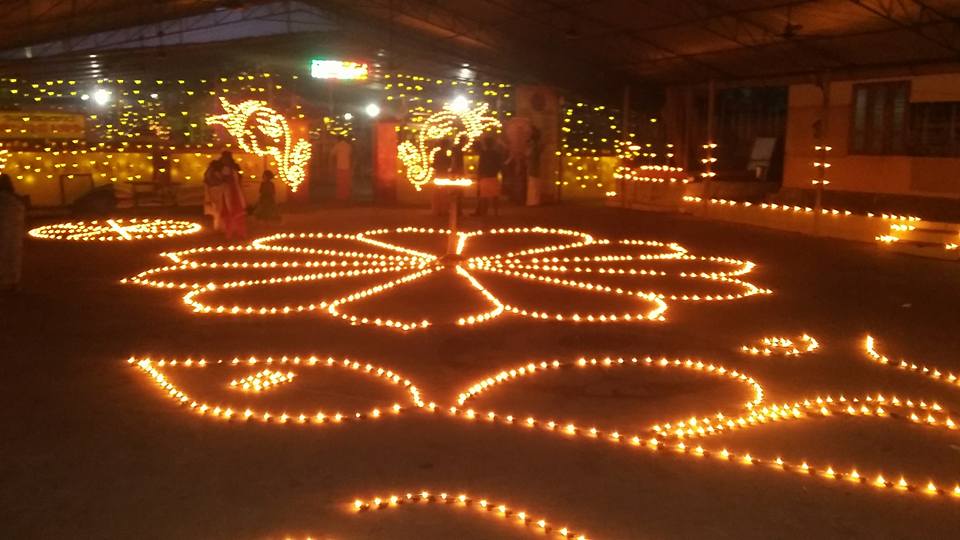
pixel 790 28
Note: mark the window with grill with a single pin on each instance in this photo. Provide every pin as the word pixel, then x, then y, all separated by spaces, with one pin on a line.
pixel 879 125
pixel 935 129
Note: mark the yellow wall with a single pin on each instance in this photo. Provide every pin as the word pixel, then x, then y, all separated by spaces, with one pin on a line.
pixel 588 177
pixel 902 175
pixel 593 188
pixel 37 174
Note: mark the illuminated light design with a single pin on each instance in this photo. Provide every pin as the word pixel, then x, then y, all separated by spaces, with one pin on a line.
pixel 157 371
pixel 339 69
pixel 453 182
pixel 4 156
pixel 485 506
pixel 822 165
pixel 373 256
pixel 264 379
pixel 655 174
pixel 901 231
pixel 629 152
pixel 462 125
pixel 783 346
pixel 678 438
pixel 532 368
pixel 797 209
pixel 112 230
pixel 936 374
pixel 709 161
pixel 263 131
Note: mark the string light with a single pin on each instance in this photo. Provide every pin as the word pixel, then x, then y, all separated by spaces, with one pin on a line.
pixel 157 370
pixel 536 264
pixel 263 131
pixel 145 116
pixel 460 125
pixel 462 500
pixel 111 230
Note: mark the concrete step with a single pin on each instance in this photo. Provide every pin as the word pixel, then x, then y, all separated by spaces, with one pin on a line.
pixel 930 236
pixel 938 225
pixel 653 207
pixel 924 249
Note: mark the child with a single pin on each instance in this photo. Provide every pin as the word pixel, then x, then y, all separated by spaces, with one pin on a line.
pixel 267 209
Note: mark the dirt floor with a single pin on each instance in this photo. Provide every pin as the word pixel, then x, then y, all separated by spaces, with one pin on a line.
pixel 93 448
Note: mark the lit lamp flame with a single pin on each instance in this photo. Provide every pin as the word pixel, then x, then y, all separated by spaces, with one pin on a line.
pixel 453 182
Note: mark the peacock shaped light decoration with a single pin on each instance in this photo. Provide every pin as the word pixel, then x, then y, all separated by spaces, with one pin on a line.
pixel 462 124
pixel 263 131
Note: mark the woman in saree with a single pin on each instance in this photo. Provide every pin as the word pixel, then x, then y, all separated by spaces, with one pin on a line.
pixel 234 212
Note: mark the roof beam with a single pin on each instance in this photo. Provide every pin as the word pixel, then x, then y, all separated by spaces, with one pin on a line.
pixel 764 36
pixel 920 19
pixel 437 24
pixel 634 36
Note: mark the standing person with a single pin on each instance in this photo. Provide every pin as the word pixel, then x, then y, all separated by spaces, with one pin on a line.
pixel 489 163
pixel 342 155
pixel 11 235
pixel 267 209
pixel 234 214
pixel 533 168
pixel 213 190
pixel 442 162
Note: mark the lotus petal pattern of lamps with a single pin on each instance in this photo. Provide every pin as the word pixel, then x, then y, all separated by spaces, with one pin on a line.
pixel 461 124
pixel 374 256
pixel 263 131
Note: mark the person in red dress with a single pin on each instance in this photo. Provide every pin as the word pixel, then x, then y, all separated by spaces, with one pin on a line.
pixel 234 212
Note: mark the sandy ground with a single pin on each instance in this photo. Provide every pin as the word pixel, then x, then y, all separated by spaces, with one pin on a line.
pixel 91 448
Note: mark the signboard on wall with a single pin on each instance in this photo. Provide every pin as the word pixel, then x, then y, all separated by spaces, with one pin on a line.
pixel 40 125
pixel 321 68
